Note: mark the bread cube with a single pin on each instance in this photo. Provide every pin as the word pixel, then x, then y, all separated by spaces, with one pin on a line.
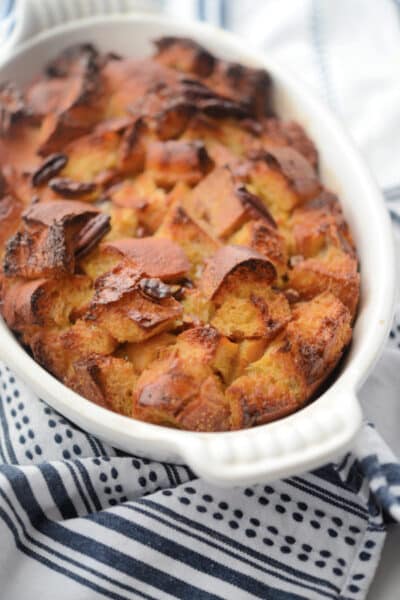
pixel 105 380
pixel 144 198
pixel 224 203
pixel 146 352
pixel 283 179
pixel 176 160
pixel 206 345
pixel 57 350
pixel 154 257
pixel 262 237
pixel 318 224
pixel 185 230
pixel 91 155
pixel 332 270
pixel 53 235
pixel 185 390
pixel 233 267
pixel 275 132
pixel 122 306
pixel 28 305
pixel 184 54
pixel 197 309
pixel 293 365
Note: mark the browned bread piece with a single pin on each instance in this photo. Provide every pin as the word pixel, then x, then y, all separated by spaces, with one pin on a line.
pixel 143 354
pixel 266 239
pixel 292 367
pixel 184 229
pixel 283 179
pixel 106 380
pixel 44 302
pixel 155 257
pixel 207 345
pixel 143 200
pixel 131 307
pixel 323 251
pixel 57 350
pixel 249 351
pixel 89 157
pixel 318 224
pixel 248 86
pixel 238 281
pixel 251 310
pixel 332 270
pixel 72 101
pixel 231 264
pixel 197 308
pixel 184 54
pixel 53 234
pixel 174 160
pixel 223 203
pixel 289 133
pixel 168 249
pixel 185 389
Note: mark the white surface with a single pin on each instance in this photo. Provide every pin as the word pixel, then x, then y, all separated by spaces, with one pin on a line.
pixel 315 434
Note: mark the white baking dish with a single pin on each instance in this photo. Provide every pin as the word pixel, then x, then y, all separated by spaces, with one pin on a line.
pixel 326 427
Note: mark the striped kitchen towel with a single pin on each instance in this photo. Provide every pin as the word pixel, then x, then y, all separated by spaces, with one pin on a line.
pixel 80 520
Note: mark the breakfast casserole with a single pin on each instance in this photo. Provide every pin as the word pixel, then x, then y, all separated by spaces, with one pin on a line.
pixel 168 249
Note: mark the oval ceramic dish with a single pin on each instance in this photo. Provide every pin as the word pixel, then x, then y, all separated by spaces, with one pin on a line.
pixel 328 425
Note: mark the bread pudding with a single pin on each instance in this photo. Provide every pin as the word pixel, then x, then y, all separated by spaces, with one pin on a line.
pixel 168 249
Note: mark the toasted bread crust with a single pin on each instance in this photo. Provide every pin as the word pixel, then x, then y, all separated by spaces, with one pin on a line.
pixel 169 251
pixel 230 259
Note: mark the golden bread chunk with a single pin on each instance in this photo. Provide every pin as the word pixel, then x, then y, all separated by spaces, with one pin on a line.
pixel 106 380
pixel 197 309
pixel 173 161
pixel 254 311
pixel 246 85
pixel 238 281
pixel 283 179
pixel 292 367
pixel 168 249
pixel 224 204
pixel 231 265
pixel 144 199
pixel 143 354
pixel 185 230
pixel 249 351
pixel 318 224
pixel 155 257
pixel 275 132
pixel 264 238
pixel 70 106
pixel 332 270
pixel 131 307
pixel 45 302
pixel 207 345
pixel 185 389
pixel 57 350
pixel 53 235
pixel 132 150
pixel 90 156
pixel 184 54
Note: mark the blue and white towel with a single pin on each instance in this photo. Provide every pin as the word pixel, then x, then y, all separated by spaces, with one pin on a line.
pixel 79 520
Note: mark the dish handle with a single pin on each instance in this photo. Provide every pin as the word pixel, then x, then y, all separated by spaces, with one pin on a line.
pixel 312 437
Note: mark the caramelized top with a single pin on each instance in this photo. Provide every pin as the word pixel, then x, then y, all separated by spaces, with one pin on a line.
pixel 168 248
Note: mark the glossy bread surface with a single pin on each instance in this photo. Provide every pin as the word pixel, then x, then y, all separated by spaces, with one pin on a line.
pixel 169 251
